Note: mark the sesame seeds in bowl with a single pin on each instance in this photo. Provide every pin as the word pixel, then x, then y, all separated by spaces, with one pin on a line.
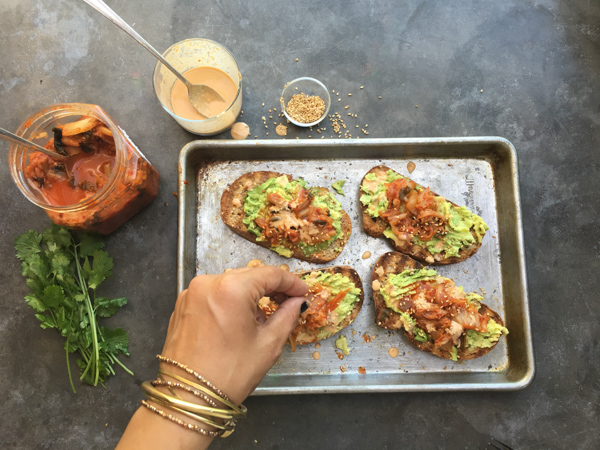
pixel 305 101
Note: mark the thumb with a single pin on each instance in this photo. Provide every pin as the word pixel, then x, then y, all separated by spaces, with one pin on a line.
pixel 283 321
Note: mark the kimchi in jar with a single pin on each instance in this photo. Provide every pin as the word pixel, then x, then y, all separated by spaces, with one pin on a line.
pixel 103 179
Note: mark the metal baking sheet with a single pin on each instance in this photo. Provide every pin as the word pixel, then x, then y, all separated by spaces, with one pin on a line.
pixel 479 172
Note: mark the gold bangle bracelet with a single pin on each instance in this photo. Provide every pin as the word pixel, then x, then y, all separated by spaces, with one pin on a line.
pixel 180 422
pixel 229 425
pixel 170 386
pixel 240 411
pixel 171 390
pixel 189 370
pixel 212 389
pixel 188 406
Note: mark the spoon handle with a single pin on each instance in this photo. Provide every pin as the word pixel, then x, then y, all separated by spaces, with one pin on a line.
pixel 7 135
pixel 107 12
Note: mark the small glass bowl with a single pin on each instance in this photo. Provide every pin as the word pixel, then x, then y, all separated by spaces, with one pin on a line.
pixel 310 87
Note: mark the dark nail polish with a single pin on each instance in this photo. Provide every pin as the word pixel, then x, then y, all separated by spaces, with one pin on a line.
pixel 304 307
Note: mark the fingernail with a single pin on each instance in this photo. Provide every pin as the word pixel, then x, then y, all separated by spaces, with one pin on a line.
pixel 304 307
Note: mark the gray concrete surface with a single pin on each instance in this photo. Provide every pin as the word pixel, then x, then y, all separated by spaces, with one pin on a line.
pixel 525 70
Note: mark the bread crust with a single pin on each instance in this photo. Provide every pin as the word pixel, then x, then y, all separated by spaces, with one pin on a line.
pixel 232 214
pixel 309 337
pixel 385 317
pixel 375 226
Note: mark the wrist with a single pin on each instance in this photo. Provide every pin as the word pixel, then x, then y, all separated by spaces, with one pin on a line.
pixel 148 430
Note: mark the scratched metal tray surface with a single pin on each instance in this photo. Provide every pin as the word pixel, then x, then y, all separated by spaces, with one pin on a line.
pixel 479 172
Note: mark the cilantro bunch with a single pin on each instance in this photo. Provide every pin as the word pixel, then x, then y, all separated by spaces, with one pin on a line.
pixel 63 276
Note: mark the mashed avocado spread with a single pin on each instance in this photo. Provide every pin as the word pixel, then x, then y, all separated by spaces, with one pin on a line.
pixel 460 220
pixel 336 283
pixel 339 187
pixel 342 344
pixel 256 200
pixel 477 339
pixel 397 285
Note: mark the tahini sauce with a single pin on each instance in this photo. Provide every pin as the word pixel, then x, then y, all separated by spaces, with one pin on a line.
pixel 210 76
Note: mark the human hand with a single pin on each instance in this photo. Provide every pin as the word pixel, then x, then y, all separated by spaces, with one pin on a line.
pixel 217 329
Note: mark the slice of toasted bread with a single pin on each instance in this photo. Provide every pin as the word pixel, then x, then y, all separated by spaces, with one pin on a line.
pixel 388 263
pixel 232 213
pixel 375 226
pixel 385 317
pixel 305 336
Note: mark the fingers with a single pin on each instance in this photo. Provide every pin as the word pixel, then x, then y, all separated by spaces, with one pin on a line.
pixel 283 321
pixel 268 279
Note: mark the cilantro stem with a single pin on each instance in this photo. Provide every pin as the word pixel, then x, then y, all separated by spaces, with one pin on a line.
pixel 92 318
pixel 69 366
pixel 115 359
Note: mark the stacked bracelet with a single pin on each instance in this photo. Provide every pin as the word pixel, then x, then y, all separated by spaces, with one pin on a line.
pixel 206 391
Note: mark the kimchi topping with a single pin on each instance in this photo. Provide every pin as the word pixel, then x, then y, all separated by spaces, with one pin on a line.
pixel 288 215
pixel 413 212
pixel 331 299
pixel 91 153
pixel 434 305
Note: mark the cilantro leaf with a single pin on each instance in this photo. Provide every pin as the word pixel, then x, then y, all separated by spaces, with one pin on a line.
pixel 60 263
pixel 47 321
pixel 53 296
pixel 88 243
pixel 101 269
pixel 62 275
pixel 28 244
pixel 36 303
pixel 59 236
pixel 36 267
pixel 106 307
pixel 115 341
pixel 36 286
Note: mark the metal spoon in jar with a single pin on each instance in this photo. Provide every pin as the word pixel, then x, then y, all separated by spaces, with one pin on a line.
pixel 200 95
pixel 5 134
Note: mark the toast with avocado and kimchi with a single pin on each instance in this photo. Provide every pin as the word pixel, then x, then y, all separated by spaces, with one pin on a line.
pixel 419 222
pixel 335 297
pixel 275 211
pixel 436 315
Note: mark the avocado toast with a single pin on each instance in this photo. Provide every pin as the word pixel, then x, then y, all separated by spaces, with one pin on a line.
pixel 436 315
pixel 275 211
pixel 419 222
pixel 335 297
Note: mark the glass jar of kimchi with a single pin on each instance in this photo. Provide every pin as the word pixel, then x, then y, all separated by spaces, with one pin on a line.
pixel 103 179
